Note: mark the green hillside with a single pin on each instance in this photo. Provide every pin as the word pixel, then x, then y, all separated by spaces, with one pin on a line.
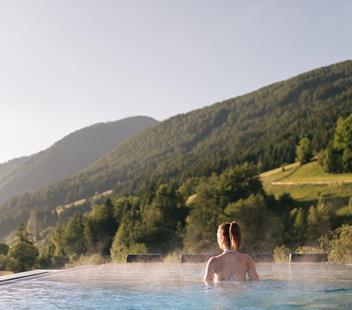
pixel 7 167
pixel 309 182
pixel 68 156
pixel 262 127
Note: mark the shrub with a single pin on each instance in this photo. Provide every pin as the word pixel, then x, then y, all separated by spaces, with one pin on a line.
pixel 119 254
pixel 309 250
pixel 341 245
pixel 281 254
pixel 4 248
pixel 4 262
pixel 95 259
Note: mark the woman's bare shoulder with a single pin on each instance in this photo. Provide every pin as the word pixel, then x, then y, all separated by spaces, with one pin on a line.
pixel 214 258
pixel 248 259
pixel 243 255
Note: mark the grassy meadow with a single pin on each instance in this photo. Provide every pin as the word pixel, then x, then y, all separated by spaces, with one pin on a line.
pixel 307 183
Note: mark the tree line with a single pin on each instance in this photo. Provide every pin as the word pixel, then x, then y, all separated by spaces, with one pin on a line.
pixel 337 156
pixel 170 218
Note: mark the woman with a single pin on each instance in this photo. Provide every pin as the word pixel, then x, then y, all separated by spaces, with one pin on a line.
pixel 231 264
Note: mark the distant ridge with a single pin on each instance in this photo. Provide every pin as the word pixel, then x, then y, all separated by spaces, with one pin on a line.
pixel 66 157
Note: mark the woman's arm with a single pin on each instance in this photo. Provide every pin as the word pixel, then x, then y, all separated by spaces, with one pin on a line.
pixel 252 272
pixel 210 270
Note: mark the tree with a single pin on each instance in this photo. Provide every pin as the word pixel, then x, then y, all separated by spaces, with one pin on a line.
pixel 128 236
pixel 341 245
pixel 100 227
pixel 237 183
pixel 338 155
pixel 332 160
pixel 261 229
pixel 74 241
pixel 163 218
pixel 32 224
pixel 23 254
pixel 347 159
pixel 313 222
pixel 304 151
pixel 213 195
pixel 299 226
pixel 320 220
pixel 124 204
pixel 205 216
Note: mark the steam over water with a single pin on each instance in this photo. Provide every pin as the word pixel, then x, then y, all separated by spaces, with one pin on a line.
pixel 179 286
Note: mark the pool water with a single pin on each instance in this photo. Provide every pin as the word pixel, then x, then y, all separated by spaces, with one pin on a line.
pixel 179 286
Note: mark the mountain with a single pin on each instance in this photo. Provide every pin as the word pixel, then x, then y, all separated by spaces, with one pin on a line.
pixel 66 157
pixel 7 167
pixel 263 127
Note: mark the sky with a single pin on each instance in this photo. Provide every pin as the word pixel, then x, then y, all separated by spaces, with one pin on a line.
pixel 67 64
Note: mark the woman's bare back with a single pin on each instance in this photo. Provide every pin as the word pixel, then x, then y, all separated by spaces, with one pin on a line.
pixel 230 265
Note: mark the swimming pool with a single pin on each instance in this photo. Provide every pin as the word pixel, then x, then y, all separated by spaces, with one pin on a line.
pixel 179 286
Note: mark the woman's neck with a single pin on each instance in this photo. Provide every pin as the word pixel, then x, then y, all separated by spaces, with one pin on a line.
pixel 229 250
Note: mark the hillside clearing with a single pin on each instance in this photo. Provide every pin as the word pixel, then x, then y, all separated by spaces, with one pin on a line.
pixel 308 183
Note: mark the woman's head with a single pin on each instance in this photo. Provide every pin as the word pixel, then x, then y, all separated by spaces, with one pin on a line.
pixel 229 235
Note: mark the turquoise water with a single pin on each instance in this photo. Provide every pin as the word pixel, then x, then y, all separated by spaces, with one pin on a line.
pixel 176 286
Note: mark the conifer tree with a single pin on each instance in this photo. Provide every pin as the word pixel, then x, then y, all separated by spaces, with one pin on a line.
pixel 304 151
pixel 23 254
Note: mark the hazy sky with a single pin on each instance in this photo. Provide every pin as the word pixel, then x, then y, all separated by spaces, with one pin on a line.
pixel 66 64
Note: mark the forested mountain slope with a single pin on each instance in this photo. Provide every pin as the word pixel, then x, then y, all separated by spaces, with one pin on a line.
pixel 261 127
pixel 66 157
pixel 7 167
